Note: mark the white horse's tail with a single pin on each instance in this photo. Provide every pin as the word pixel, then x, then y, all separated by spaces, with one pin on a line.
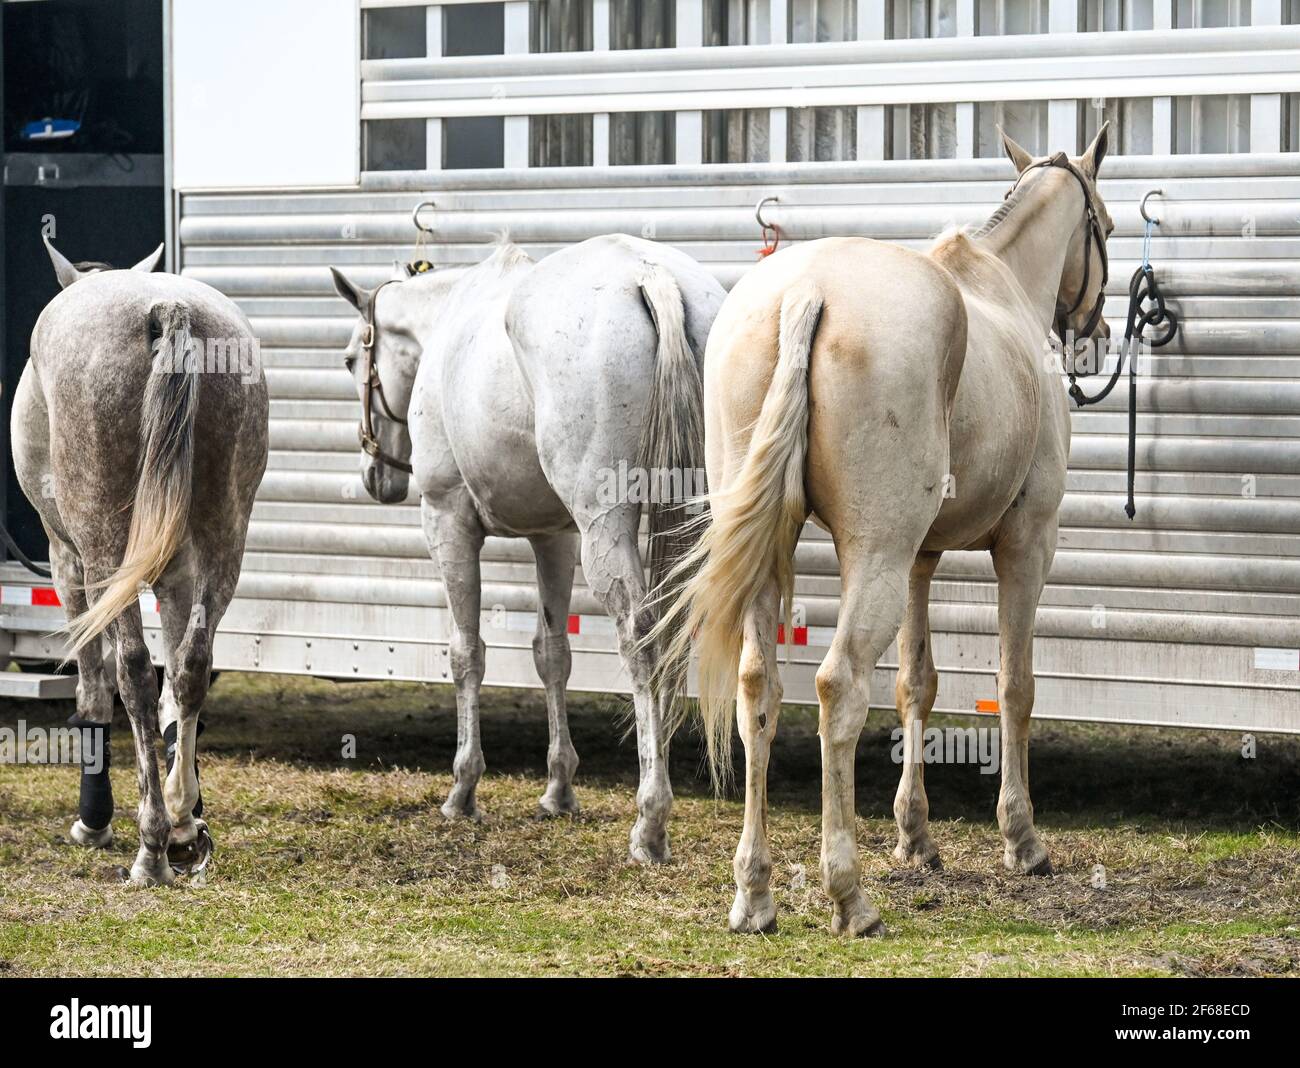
pixel 671 453
pixel 755 525
pixel 164 487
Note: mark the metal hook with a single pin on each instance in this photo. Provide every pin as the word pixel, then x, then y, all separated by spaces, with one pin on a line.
pixel 415 216
pixel 758 210
pixel 1143 207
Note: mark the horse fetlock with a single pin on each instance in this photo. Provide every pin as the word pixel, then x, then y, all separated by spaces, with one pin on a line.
pixel 839 865
pixel 912 814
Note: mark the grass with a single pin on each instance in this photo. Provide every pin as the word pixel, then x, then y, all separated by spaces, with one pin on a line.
pixel 331 866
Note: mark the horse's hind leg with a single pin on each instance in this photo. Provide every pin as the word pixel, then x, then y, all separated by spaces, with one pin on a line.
pixel 914 695
pixel 611 564
pixel 191 605
pixel 758 702
pixel 138 685
pixel 1022 558
pixel 94 823
pixel 871 608
pixel 455 538
pixel 556 556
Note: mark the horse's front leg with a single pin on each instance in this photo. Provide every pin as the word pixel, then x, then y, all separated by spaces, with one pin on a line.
pixel 455 537
pixel 1022 564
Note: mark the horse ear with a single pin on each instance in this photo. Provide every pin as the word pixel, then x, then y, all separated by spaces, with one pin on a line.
pixel 349 291
pixel 63 269
pixel 1017 155
pixel 1090 161
pixel 151 261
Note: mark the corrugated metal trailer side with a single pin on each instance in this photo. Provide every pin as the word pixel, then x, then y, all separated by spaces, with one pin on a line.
pixel 1188 615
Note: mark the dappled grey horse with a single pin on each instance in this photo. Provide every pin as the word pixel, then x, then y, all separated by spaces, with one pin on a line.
pixel 519 394
pixel 139 434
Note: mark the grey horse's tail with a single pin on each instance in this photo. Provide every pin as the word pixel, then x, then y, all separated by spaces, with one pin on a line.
pixel 755 526
pixel 164 485
pixel 671 454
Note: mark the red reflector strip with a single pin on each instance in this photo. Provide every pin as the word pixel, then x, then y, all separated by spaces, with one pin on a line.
pixel 575 624
pixel 42 596
pixel 800 635
pixel 986 706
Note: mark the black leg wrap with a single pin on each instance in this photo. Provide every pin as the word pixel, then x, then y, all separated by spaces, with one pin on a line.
pixel 95 807
pixel 169 743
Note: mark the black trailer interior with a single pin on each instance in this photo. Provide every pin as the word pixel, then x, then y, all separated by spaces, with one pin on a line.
pixel 84 120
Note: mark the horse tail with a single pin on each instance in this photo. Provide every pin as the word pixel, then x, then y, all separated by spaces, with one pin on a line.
pixel 164 486
pixel 671 450
pixel 755 526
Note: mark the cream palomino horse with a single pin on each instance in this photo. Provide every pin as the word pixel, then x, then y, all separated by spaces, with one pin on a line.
pixel 853 380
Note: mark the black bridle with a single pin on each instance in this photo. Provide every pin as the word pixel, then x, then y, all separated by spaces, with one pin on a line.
pixel 1093 238
pixel 1146 307
pixel 372 389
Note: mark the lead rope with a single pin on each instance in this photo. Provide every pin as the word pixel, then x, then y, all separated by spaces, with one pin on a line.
pixel 1146 307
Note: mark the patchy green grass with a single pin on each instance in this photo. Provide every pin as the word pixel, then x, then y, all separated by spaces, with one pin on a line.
pixel 327 866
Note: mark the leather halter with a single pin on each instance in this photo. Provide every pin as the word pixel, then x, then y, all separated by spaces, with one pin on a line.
pixel 372 389
pixel 1093 237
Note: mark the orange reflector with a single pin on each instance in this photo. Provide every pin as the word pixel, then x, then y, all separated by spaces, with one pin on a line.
pixel 986 706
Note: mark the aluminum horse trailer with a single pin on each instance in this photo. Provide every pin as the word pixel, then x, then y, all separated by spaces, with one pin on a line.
pixel 1187 615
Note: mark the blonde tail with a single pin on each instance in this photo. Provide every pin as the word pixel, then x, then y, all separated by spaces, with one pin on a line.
pixel 161 511
pixel 751 540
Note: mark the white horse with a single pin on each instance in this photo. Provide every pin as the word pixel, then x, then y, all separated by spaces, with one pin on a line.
pixel 139 435
pixel 855 381
pixel 517 393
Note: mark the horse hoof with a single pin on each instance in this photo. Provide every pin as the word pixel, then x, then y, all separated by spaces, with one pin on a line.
pixel 151 871
pixel 1042 868
pixel 549 807
pixel 649 852
pixel 921 859
pixel 455 812
pixel 857 919
pixel 84 836
pixel 756 917
pixel 190 858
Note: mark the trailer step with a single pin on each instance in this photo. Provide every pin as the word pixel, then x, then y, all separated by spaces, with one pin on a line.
pixel 37 687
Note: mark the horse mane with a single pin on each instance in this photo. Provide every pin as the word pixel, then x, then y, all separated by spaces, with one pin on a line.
pixel 984 280
pixel 504 258
pixel 93 265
